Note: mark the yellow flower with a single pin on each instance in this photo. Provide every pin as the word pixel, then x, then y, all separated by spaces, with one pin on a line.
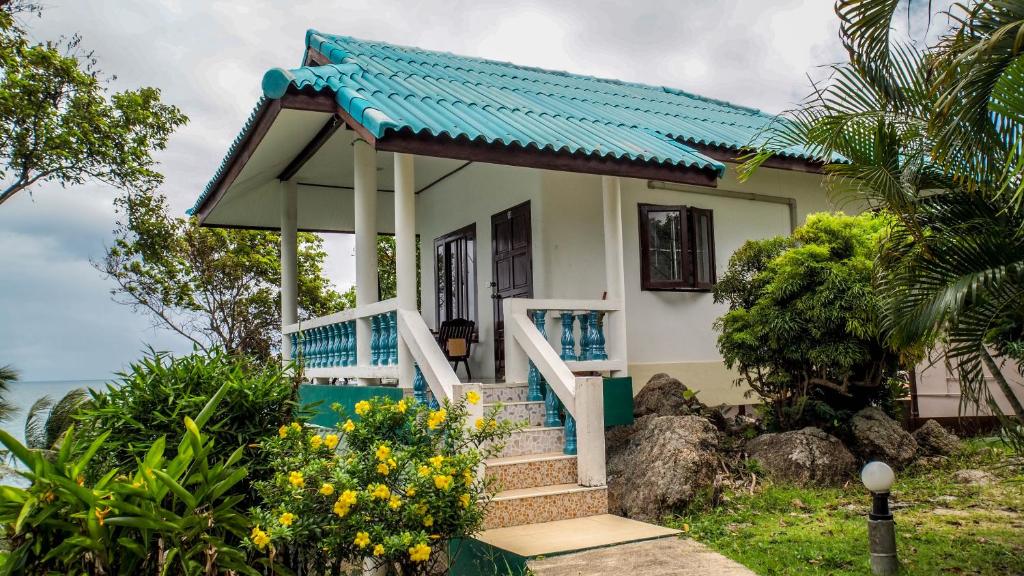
pixel 381 491
pixel 383 469
pixel 348 498
pixel 348 426
pixel 316 441
pixel 443 482
pixel 383 452
pixel 436 418
pixel 283 431
pixel 480 423
pixel 464 499
pixel 424 471
pixel 259 538
pixel 378 550
pixel 296 426
pixel 395 503
pixel 340 508
pixel 420 509
pixel 327 489
pixel 436 461
pixel 392 463
pixel 467 476
pixel 411 491
pixel 402 406
pixel 428 521
pixel 331 441
pixel 362 407
pixel 419 553
pixel 101 515
pixel 472 396
pixel 296 479
pixel 286 519
pixel 362 539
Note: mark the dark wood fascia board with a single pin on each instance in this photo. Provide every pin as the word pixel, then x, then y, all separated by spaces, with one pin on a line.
pixel 724 154
pixel 476 151
pixel 311 148
pixel 265 118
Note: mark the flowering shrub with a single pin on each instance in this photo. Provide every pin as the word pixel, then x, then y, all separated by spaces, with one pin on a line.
pixel 393 484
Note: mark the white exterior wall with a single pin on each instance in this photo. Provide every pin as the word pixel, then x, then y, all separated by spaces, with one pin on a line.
pixel 471 196
pixel 938 391
pixel 668 331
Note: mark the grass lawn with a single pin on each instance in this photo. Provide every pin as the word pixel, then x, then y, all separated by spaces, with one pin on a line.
pixel 942 527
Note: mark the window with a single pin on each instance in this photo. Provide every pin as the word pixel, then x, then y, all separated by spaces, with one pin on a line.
pixel 455 274
pixel 677 248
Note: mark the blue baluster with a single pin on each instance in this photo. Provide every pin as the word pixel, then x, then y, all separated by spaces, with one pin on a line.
pixel 332 343
pixel 586 337
pixel 534 380
pixel 374 340
pixel 294 337
pixel 570 434
pixel 343 346
pixel 433 402
pixel 598 328
pixel 419 386
pixel 568 340
pixel 339 330
pixel 314 347
pixel 321 348
pixel 352 360
pixel 552 405
pixel 393 341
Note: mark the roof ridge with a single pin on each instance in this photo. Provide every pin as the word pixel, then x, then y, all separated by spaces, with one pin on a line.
pixel 564 73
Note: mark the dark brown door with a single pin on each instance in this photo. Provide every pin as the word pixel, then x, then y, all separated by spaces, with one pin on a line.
pixel 512 269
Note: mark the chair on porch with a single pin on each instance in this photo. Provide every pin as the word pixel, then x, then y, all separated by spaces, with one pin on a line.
pixel 455 338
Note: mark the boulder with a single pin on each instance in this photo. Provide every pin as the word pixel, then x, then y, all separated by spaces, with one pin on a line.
pixel 876 436
pixel 665 396
pixel 934 440
pixel 660 464
pixel 974 477
pixel 804 457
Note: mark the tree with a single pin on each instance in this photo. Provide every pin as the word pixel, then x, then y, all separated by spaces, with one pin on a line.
pixel 934 138
pixel 803 324
pixel 217 287
pixel 8 376
pixel 58 124
pixel 48 420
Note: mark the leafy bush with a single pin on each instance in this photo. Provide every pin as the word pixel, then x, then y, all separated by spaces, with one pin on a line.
pixel 803 324
pixel 157 392
pixel 402 485
pixel 171 516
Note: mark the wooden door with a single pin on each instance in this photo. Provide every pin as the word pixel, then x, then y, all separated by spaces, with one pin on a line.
pixel 512 269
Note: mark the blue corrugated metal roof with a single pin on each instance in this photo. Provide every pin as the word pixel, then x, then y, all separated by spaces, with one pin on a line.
pixel 390 88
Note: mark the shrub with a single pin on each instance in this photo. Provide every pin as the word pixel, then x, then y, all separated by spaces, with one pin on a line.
pixel 171 516
pixel 154 395
pixel 402 484
pixel 803 322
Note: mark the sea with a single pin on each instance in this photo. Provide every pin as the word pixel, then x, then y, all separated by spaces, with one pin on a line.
pixel 24 394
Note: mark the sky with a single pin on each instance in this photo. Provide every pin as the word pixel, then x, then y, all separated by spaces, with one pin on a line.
pixel 57 319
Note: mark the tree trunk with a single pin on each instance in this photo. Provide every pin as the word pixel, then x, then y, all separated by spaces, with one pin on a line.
pixel 1004 386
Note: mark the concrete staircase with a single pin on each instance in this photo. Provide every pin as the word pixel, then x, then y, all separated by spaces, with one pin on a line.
pixel 537 481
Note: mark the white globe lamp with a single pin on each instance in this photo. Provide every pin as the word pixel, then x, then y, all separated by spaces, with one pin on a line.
pixel 877 477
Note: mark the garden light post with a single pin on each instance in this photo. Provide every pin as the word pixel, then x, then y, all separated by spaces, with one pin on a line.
pixel 878 477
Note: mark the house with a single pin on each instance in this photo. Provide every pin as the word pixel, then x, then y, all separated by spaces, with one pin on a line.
pixel 578 222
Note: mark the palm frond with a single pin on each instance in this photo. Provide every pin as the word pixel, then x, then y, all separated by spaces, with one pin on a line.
pixel 48 420
pixel 8 376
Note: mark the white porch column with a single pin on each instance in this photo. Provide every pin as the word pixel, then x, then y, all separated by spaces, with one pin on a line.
pixel 366 242
pixel 405 254
pixel 289 261
pixel 615 275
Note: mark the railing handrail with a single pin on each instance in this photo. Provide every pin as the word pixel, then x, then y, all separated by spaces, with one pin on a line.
pixel 438 373
pixel 374 309
pixel 572 305
pixel 544 357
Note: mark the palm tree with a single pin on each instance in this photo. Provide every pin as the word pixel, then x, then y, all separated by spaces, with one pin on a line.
pixel 8 376
pixel 933 137
pixel 48 420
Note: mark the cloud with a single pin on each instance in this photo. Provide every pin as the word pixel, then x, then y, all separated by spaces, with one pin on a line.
pixel 56 317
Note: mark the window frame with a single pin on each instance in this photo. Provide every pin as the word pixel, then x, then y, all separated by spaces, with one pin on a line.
pixel 687 216
pixel 473 309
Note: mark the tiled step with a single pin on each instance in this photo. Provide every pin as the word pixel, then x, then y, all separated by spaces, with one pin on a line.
pixel 535 440
pixel 532 413
pixel 545 504
pixel 515 472
pixel 504 392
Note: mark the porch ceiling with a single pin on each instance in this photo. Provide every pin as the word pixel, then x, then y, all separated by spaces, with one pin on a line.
pixel 250 198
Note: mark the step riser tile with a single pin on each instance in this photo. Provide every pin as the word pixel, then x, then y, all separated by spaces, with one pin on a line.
pixel 548 508
pixel 532 414
pixel 533 474
pixel 504 394
pixel 526 442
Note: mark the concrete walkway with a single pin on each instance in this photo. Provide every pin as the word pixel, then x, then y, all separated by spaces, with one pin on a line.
pixel 666 556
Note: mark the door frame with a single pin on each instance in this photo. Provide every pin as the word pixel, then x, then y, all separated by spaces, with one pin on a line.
pixel 498 315
pixel 469 231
